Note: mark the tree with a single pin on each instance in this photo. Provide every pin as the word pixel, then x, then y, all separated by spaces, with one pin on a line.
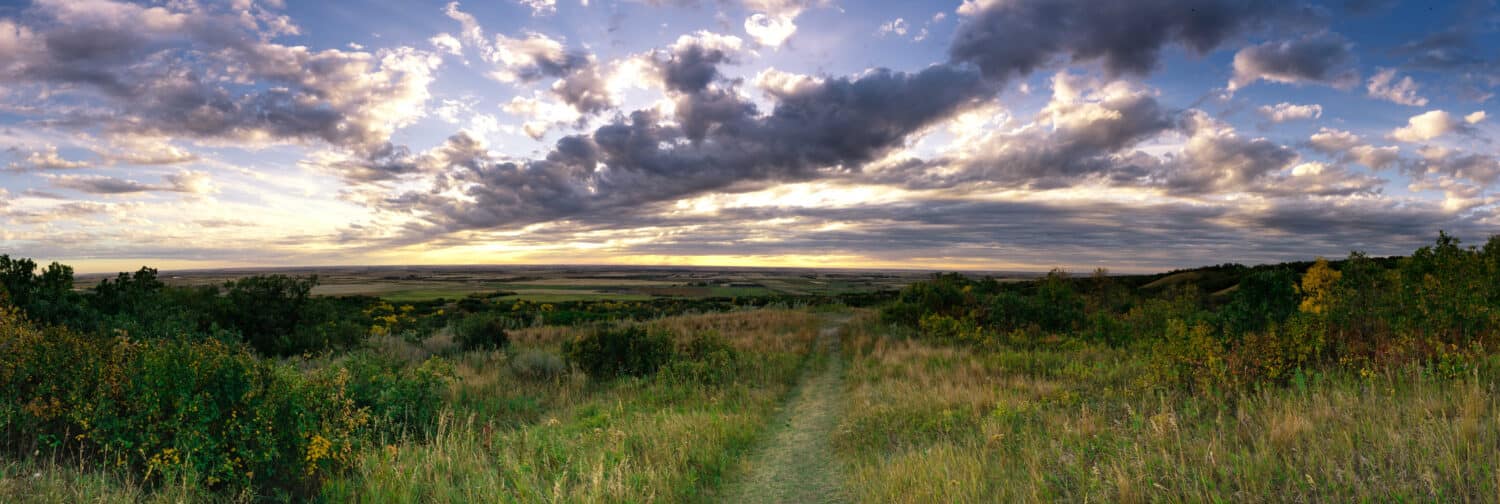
pixel 1057 306
pixel 1264 296
pixel 48 297
pixel 267 311
pixel 1317 287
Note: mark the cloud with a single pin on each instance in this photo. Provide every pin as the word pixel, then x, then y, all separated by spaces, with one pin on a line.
pixel 1384 86
pixel 68 212
pixel 1435 123
pixel 201 74
pixel 1077 136
pixel 772 22
pixel 447 43
pixel 897 26
pixel 144 150
pixel 1324 58
pixel 1482 169
pixel 579 80
pixel 99 184
pixel 1349 147
pixel 770 31
pixel 714 141
pixel 1011 38
pixel 45 159
pixel 1217 159
pixel 187 181
pixel 692 62
pixel 525 59
pixel 540 7
pixel 1283 112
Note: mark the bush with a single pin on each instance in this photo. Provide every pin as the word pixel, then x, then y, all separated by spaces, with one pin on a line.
pixel 481 331
pixel 707 358
pixel 171 409
pixel 945 329
pixel 1191 357
pixel 538 365
pixel 605 354
pixel 398 397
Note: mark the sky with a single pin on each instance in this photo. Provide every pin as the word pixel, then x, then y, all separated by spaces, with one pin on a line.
pixel 1135 135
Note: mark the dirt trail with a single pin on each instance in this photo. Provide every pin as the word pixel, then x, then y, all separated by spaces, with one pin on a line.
pixel 796 463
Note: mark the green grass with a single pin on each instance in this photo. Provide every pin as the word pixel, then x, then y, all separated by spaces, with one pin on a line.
pixel 722 291
pixel 573 440
pixel 581 296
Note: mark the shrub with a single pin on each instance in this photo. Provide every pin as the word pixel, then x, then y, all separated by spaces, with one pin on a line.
pixel 534 364
pixel 707 358
pixel 169 409
pixel 945 329
pixel 606 354
pixel 481 331
pixel 399 398
pixel 1191 357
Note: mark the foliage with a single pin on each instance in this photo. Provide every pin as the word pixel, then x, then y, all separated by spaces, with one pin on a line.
pixel 173 409
pixel 608 353
pixel 705 358
pixel 1317 287
pixel 481 331
pixel 399 398
pixel 1440 307
pixel 1265 297
pixel 46 297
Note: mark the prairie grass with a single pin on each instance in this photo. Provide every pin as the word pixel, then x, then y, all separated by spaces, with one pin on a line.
pixel 928 423
pixel 513 437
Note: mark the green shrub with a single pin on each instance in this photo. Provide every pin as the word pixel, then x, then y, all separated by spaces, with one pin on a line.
pixel 538 365
pixel 170 409
pixel 706 358
pixel 606 354
pixel 1191 357
pixel 945 329
pixel 481 331
pixel 399 398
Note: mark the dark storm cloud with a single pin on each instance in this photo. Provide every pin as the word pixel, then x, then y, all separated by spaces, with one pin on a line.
pixel 689 67
pixel 1009 39
pixel 1323 58
pixel 722 141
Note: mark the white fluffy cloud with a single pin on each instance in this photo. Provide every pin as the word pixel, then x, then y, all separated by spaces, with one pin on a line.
pixel 1283 112
pixel 1435 123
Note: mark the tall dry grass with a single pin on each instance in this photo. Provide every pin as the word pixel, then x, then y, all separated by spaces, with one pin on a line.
pixel 942 424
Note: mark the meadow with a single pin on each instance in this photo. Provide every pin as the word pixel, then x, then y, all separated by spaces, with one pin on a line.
pixel 1358 379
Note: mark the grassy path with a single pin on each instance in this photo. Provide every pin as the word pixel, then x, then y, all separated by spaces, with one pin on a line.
pixel 796 463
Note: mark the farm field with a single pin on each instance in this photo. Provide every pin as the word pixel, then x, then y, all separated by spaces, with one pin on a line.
pixel 553 284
